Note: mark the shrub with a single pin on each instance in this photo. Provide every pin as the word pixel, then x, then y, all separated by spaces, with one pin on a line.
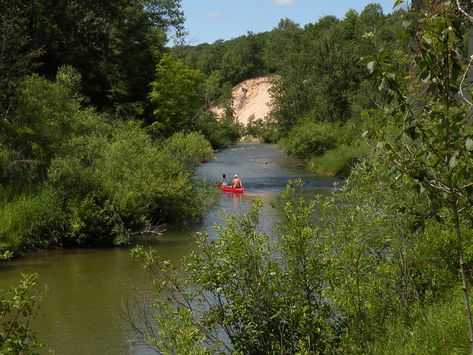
pixel 310 138
pixel 122 182
pixel 176 96
pixel 264 129
pixel 18 307
pixel 47 114
pixel 4 157
pixel 106 178
pixel 188 149
pixel 395 250
pixel 264 295
pixel 349 133
pixel 220 132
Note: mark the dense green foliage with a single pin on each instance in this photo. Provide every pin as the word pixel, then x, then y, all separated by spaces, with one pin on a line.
pixel 181 99
pixel 82 179
pixel 255 292
pixel 31 220
pixel 338 161
pixel 435 148
pixel 374 267
pixel 176 94
pixel 76 174
pixel 310 137
pixel 324 80
pixel 117 47
pixel 327 81
pixel 114 44
pixel 438 330
pixel 228 61
pixel 220 131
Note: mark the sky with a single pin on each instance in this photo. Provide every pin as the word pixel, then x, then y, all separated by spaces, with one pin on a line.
pixel 210 20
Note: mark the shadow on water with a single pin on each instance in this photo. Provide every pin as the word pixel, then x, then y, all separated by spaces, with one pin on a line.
pixel 81 313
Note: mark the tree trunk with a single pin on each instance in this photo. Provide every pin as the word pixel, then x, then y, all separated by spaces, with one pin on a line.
pixel 470 53
pixel 470 71
pixel 466 299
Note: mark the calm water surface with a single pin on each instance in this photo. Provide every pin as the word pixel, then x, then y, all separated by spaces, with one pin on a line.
pixel 82 311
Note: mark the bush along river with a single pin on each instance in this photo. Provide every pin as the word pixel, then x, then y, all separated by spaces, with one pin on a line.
pixel 82 310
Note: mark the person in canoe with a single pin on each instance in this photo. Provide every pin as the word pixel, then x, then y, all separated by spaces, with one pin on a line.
pixel 236 182
pixel 224 181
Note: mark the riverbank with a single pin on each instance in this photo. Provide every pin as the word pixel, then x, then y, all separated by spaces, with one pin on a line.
pixel 104 190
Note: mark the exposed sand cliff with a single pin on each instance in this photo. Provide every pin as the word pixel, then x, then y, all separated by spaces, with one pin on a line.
pixel 251 97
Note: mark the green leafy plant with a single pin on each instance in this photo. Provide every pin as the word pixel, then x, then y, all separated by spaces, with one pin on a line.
pixel 32 220
pixel 176 95
pixel 18 307
pixel 435 148
pixel 310 138
pixel 339 160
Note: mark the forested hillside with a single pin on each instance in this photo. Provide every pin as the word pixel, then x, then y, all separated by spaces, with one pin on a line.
pixel 321 88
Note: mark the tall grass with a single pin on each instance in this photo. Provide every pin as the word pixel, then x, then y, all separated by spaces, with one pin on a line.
pixel 439 329
pixel 337 161
pixel 6 193
pixel 31 220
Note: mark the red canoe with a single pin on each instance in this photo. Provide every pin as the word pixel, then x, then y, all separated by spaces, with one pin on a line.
pixel 233 190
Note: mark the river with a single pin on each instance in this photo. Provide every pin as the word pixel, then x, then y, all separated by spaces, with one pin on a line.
pixel 82 310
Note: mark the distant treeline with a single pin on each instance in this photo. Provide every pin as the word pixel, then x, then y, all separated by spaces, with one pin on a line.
pixel 321 74
pixel 321 82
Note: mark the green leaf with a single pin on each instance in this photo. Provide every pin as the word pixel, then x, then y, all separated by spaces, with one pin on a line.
pixel 397 3
pixel 370 66
pixel 406 24
pixel 466 173
pixel 411 132
pixel 453 161
pixel 469 144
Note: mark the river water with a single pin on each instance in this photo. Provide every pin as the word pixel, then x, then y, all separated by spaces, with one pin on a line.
pixel 82 310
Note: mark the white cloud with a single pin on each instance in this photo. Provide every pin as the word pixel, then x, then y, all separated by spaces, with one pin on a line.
pixel 282 2
pixel 213 14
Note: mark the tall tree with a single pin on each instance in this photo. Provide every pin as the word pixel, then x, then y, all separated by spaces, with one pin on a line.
pixel 17 58
pixel 437 149
pixel 177 96
pixel 115 44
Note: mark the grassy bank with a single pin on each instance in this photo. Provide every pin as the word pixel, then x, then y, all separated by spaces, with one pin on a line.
pixel 337 161
pixel 326 148
pixel 439 328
